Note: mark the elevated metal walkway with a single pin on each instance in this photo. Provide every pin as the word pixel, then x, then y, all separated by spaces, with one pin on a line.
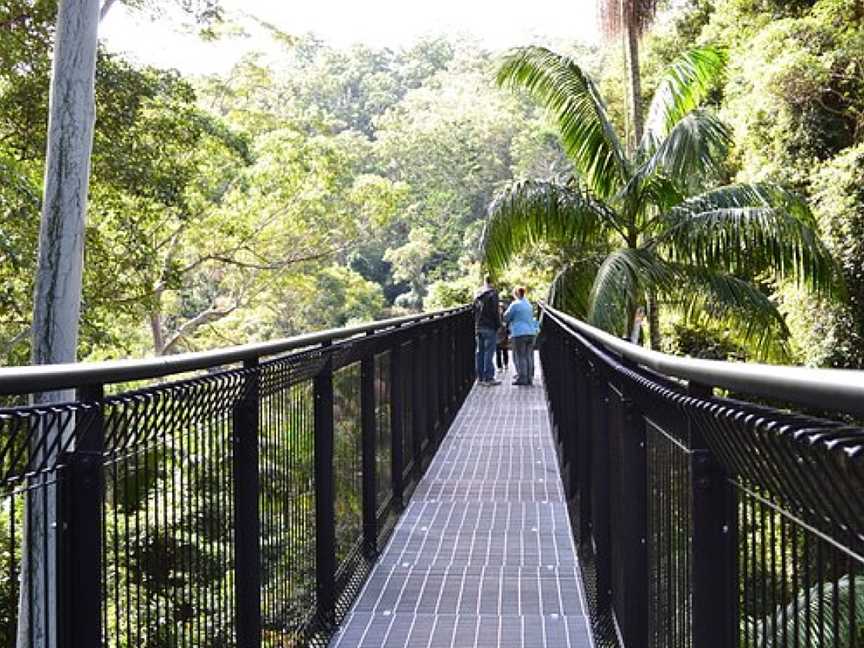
pixel 483 555
pixel 244 500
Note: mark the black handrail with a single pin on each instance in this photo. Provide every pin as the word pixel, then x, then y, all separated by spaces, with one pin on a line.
pixel 702 520
pixel 38 378
pixel 240 506
pixel 843 389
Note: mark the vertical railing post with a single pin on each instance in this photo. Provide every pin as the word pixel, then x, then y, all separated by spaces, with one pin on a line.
pixel 81 496
pixel 325 515
pixel 247 552
pixel 446 369
pixel 713 511
pixel 568 430
pixel 441 382
pixel 368 436
pixel 432 363
pixel 584 447
pixel 397 457
pixel 418 399
pixel 600 488
pixel 560 424
pixel 470 366
pixel 630 535
pixel 578 415
pixel 465 353
pixel 452 365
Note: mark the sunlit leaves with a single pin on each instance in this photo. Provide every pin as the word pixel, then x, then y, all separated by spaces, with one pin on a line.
pixel 587 136
pixel 682 90
pixel 749 229
pixel 528 212
pixel 701 254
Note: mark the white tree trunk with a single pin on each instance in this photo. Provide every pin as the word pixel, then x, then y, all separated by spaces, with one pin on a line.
pixel 57 293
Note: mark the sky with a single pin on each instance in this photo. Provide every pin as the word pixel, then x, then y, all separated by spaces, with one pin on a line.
pixel 378 23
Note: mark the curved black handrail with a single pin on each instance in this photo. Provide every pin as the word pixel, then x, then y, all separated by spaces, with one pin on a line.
pixel 836 389
pixel 40 378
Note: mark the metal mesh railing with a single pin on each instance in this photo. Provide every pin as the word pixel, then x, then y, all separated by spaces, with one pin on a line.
pixel 240 507
pixel 702 520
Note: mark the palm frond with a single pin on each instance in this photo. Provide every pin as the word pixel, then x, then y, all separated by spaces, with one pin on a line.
pixel 660 193
pixel 619 284
pixel 810 620
pixel 745 230
pixel 570 289
pixel 696 145
pixel 687 81
pixel 528 212
pixel 703 296
pixel 569 94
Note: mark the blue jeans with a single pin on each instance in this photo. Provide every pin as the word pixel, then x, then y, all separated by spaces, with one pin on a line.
pixel 484 354
pixel 523 352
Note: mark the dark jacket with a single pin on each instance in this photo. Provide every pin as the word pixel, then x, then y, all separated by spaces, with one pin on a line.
pixel 486 313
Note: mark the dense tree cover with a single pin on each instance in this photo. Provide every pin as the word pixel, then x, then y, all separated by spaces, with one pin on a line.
pixel 330 185
pixel 793 95
pixel 646 224
pixel 218 204
pixel 221 207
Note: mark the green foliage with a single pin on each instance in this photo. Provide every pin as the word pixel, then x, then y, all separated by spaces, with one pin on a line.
pixel 341 297
pixel 629 227
pixel 682 89
pixel 793 95
pixel 701 342
pixel 797 97
pixel 836 330
pixel 427 120
pixel 449 294
pixel 558 83
pixel 152 149
pixel 822 603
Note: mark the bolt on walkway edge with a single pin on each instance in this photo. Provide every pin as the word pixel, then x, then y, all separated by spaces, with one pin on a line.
pixel 483 555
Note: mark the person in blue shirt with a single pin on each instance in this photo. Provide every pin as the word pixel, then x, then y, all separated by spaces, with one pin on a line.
pixel 523 327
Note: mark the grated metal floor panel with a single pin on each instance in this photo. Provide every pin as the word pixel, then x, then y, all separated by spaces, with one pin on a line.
pixel 483 555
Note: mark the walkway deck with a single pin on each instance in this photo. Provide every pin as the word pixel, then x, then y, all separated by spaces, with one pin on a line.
pixel 483 555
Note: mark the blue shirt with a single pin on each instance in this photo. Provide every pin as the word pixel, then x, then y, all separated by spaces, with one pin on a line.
pixel 520 316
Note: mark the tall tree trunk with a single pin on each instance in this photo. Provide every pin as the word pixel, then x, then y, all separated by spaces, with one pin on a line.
pixel 57 295
pixel 156 323
pixel 636 319
pixel 634 83
pixel 57 292
pixel 634 105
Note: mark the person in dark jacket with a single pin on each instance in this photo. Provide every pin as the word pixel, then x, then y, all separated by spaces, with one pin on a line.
pixel 502 350
pixel 487 321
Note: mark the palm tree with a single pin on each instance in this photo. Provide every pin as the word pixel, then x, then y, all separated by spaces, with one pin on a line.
pixel 629 19
pixel 621 225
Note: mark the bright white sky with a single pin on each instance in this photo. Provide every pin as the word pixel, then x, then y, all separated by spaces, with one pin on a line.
pixel 393 23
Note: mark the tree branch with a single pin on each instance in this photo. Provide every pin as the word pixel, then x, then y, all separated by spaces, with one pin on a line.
pixel 208 316
pixel 10 344
pixel 277 264
pixel 106 6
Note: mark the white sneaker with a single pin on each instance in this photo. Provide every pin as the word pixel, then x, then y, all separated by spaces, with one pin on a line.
pixel 493 382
